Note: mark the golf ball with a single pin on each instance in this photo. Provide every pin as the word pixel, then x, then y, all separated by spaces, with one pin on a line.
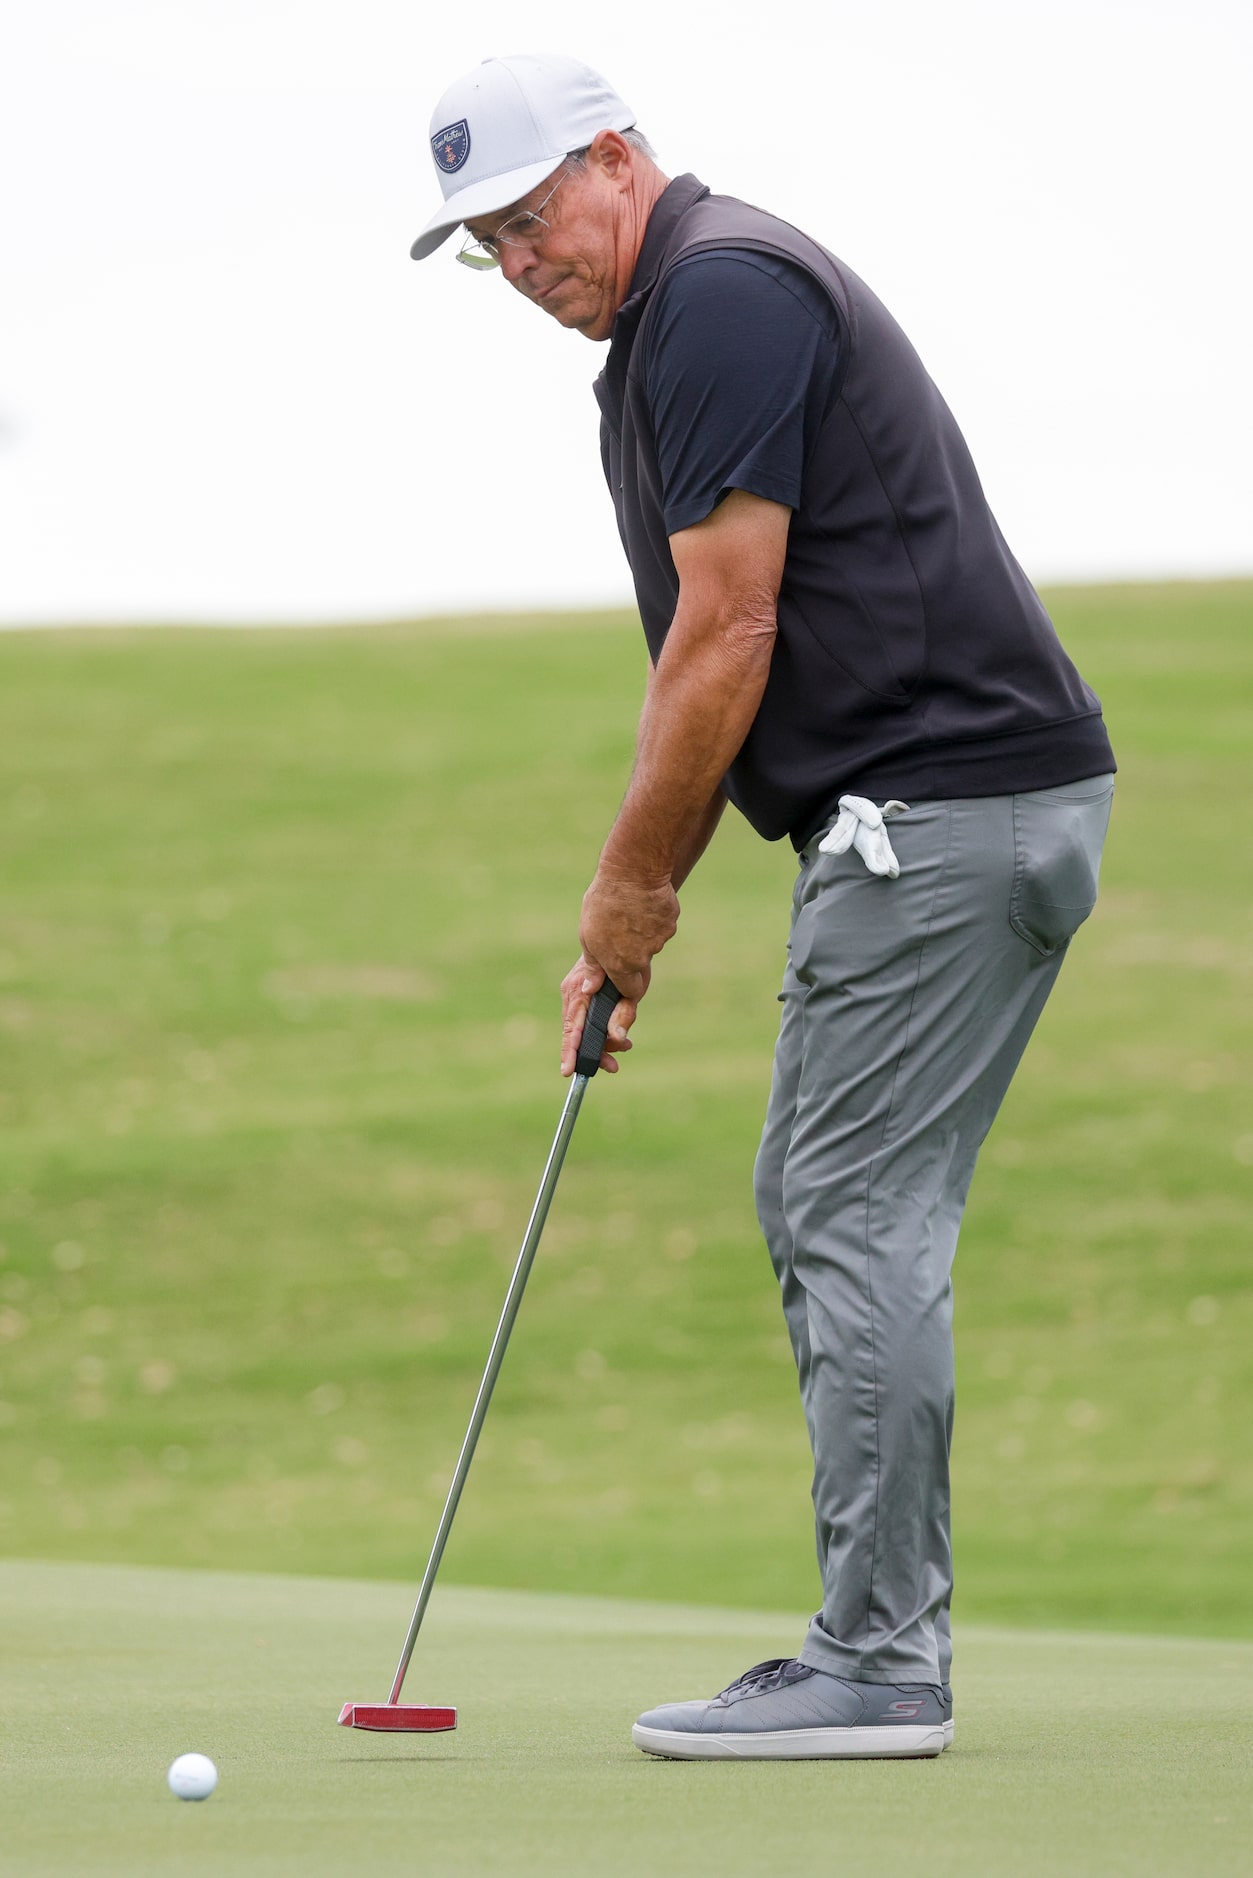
pixel 192 1777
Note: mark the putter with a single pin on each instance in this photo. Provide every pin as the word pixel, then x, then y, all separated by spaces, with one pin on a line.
pixel 395 1716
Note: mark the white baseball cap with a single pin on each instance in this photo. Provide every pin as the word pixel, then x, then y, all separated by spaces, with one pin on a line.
pixel 505 126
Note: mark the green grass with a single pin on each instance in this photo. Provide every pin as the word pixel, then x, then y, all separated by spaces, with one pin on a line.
pixel 1087 1756
pixel 282 920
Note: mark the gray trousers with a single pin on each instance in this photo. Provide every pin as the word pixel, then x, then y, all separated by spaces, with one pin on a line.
pixel 906 1007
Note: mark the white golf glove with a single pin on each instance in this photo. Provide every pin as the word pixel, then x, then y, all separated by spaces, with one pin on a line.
pixel 860 826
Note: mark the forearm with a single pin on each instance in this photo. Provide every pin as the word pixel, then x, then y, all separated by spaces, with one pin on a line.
pixel 701 703
pixel 701 836
pixel 702 698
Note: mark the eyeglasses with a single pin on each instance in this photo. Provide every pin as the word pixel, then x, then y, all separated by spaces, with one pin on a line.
pixel 520 231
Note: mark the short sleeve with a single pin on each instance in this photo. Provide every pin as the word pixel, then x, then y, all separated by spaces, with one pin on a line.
pixel 741 355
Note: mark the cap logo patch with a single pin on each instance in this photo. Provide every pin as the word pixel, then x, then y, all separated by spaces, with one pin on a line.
pixel 451 147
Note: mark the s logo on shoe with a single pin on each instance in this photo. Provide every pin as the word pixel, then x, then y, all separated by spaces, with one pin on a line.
pixel 905 1711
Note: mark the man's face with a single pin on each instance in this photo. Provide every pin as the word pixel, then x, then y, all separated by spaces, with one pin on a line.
pixel 570 268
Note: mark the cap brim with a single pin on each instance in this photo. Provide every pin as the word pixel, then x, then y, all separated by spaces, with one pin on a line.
pixel 494 192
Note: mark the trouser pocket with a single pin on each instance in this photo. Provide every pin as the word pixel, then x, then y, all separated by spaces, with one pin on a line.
pixel 1058 837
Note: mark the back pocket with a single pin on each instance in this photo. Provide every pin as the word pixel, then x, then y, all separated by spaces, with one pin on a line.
pixel 1058 837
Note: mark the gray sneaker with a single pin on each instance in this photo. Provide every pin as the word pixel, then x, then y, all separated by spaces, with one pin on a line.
pixel 783 1710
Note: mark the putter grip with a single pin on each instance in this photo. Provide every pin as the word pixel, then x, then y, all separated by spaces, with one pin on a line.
pixel 596 1029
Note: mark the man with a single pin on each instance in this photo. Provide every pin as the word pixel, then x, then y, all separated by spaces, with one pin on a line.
pixel 843 647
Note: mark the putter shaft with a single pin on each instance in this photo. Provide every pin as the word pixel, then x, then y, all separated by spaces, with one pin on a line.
pixel 513 1299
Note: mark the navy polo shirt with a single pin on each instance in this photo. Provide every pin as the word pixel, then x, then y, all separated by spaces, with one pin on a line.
pixel 913 658
pixel 739 364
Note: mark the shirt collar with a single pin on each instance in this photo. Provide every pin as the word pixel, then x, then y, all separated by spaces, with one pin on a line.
pixel 671 205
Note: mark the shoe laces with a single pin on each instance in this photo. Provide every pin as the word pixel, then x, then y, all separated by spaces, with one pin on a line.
pixel 773 1674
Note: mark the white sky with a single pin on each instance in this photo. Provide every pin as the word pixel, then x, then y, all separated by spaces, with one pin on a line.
pixel 226 391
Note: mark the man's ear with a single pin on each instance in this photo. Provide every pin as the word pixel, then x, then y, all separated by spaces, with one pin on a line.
pixel 610 153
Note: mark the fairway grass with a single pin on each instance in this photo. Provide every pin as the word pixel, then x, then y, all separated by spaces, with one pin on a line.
pixel 1074 1756
pixel 282 920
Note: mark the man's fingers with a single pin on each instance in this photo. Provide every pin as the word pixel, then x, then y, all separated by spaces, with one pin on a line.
pixel 617 1042
pixel 624 1015
pixel 578 988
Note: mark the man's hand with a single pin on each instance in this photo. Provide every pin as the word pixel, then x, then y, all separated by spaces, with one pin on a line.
pixel 624 925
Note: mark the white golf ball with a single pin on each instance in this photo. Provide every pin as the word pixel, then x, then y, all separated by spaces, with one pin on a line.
pixel 192 1777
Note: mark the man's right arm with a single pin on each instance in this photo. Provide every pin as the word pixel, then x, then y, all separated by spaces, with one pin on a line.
pixel 699 708
pixel 742 353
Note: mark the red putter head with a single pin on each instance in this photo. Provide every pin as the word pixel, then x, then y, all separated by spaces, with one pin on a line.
pixel 397 1718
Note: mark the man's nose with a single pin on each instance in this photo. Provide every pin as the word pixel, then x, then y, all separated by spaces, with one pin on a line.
pixel 515 260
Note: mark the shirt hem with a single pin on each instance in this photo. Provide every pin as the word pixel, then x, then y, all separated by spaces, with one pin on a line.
pixel 1045 757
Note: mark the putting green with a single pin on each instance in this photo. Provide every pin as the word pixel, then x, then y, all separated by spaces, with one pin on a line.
pixel 1074 1754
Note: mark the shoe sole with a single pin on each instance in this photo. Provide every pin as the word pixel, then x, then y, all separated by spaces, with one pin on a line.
pixel 798 1744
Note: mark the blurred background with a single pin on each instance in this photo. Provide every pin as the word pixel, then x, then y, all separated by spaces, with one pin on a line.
pixel 284 910
pixel 226 393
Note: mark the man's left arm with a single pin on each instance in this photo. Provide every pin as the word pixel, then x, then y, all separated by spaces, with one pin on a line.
pixel 701 702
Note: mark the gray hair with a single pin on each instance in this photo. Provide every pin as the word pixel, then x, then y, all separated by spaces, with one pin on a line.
pixel 636 139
